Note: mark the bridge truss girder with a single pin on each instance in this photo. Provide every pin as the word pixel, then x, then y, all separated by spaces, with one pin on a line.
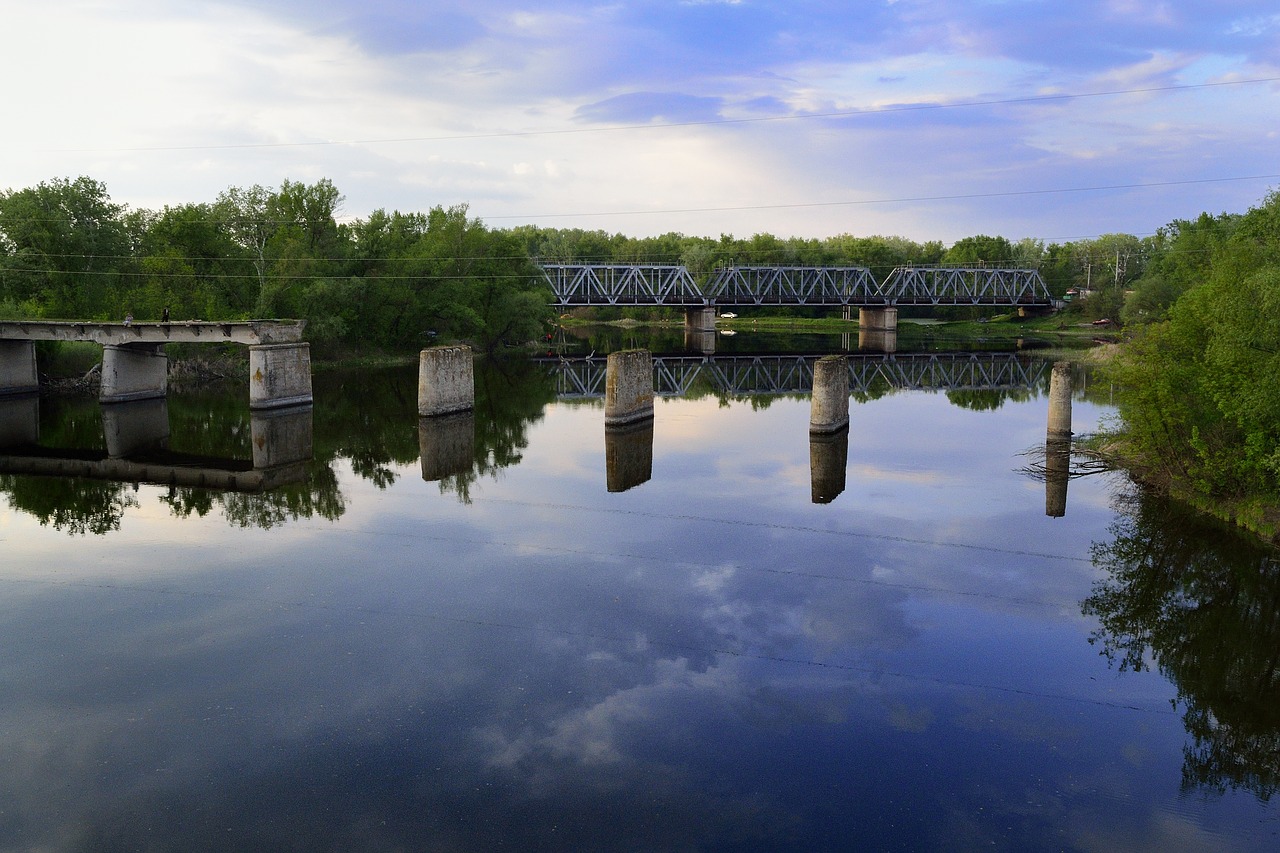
pixel 793 286
pixel 966 286
pixel 622 284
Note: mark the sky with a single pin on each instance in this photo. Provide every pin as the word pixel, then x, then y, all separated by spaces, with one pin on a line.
pixel 928 119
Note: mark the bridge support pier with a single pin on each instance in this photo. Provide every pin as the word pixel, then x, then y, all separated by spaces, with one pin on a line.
pixel 628 387
pixel 884 318
pixel 700 319
pixel 279 375
pixel 1057 444
pixel 829 404
pixel 133 372
pixel 18 368
pixel 446 381
pixel 1060 400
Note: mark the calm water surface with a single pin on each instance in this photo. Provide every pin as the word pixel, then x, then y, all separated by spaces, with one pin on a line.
pixel 659 642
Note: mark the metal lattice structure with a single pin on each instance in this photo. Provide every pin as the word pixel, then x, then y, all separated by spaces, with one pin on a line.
pixel 675 376
pixel 670 284
pixel 966 286
pixel 793 286
pixel 622 284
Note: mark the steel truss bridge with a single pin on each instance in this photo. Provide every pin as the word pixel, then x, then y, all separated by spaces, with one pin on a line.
pixel 673 285
pixel 675 376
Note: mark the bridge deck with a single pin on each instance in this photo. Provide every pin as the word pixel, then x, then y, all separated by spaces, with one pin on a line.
pixel 250 332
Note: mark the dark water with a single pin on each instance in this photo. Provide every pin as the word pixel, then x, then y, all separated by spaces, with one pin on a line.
pixel 648 642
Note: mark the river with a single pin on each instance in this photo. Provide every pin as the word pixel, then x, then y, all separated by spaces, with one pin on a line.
pixel 517 632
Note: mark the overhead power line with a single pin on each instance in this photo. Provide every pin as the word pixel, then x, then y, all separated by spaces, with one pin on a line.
pixel 566 131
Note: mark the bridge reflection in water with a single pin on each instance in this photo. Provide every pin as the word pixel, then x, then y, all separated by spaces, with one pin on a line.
pixel 629 453
pixel 136 439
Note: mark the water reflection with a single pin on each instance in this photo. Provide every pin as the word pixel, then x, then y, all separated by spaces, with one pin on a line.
pixel 828 463
pixel 628 455
pixel 1203 605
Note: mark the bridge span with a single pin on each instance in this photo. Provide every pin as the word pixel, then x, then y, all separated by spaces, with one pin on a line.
pixel 134 364
pixel 673 285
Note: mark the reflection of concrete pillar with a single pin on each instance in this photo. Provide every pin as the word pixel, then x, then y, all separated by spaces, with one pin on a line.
pixel 828 459
pixel 133 372
pixel 829 403
pixel 446 445
pixel 18 368
pixel 700 319
pixel 1057 472
pixel 19 420
pixel 135 427
pixel 702 342
pixel 279 375
pixel 280 436
pixel 877 340
pixel 628 455
pixel 446 381
pixel 628 387
pixel 1060 399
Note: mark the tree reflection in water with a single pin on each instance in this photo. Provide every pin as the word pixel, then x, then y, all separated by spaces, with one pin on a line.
pixel 1204 605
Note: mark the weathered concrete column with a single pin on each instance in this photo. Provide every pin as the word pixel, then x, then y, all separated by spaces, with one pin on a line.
pixel 281 436
pixel 19 420
pixel 446 380
pixel 133 372
pixel 1060 400
pixel 878 318
pixel 446 445
pixel 279 375
pixel 135 427
pixel 628 455
pixel 829 403
pixel 628 387
pixel 700 319
pixel 828 459
pixel 18 368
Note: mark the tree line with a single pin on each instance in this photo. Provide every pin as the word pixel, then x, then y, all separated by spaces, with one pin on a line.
pixel 396 281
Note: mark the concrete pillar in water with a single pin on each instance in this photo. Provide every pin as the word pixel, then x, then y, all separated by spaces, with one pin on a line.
pixel 19 420
pixel 446 381
pixel 18 368
pixel 829 403
pixel 281 437
pixel 628 455
pixel 883 318
pixel 446 445
pixel 133 372
pixel 135 427
pixel 828 459
pixel 279 375
pixel 700 319
pixel 1060 399
pixel 628 387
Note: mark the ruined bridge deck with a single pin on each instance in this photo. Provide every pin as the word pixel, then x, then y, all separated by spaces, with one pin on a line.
pixel 248 332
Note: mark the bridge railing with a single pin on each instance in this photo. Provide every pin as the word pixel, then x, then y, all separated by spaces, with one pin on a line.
pixel 622 284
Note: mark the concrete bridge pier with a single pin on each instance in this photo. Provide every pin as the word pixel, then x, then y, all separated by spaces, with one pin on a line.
pixel 880 319
pixel 829 403
pixel 135 426
pixel 135 372
pixel 279 375
pixel 18 368
pixel 446 381
pixel 700 319
pixel 628 388
pixel 1060 400
pixel 1057 445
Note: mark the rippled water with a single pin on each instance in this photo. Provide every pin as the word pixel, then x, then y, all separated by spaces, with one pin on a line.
pixel 657 641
